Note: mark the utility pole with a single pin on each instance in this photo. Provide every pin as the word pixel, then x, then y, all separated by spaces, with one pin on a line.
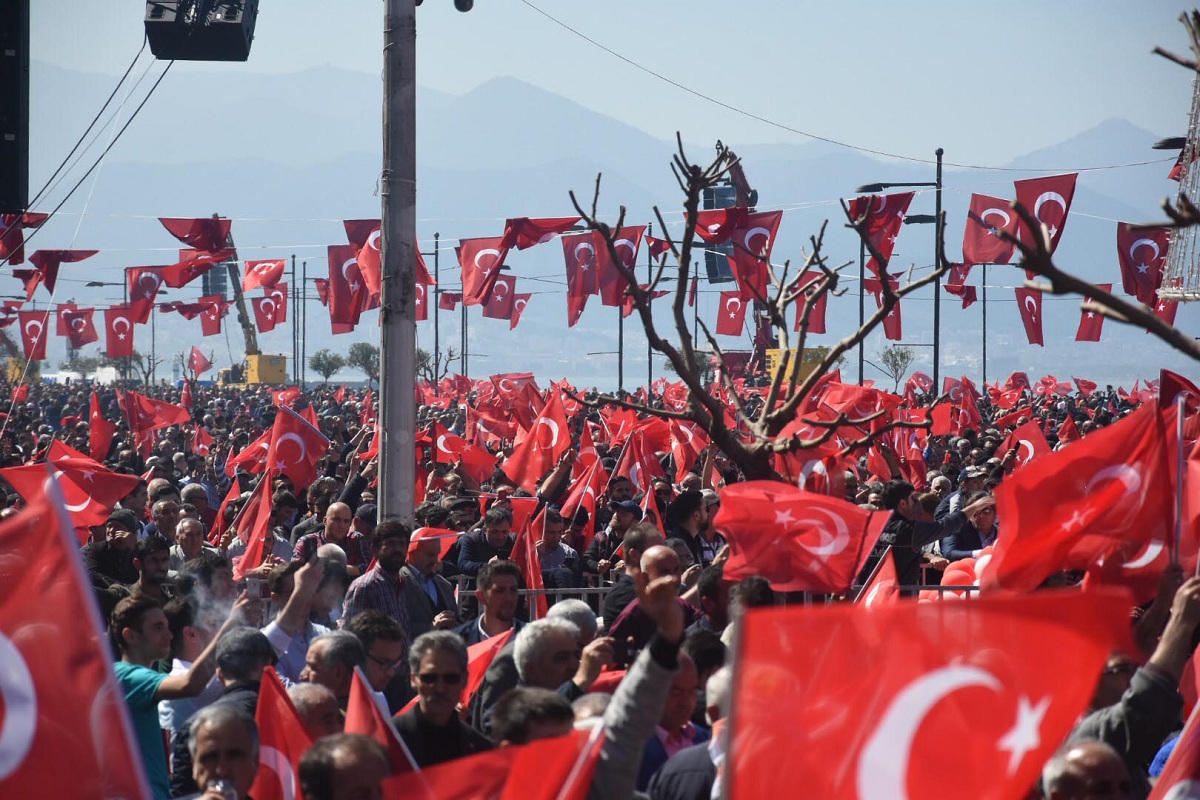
pixel 398 335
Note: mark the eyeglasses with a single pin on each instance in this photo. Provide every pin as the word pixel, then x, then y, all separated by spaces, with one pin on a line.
pixel 390 666
pixel 1121 669
pixel 448 678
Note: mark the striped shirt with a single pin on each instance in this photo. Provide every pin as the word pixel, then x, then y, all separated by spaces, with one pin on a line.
pixel 377 589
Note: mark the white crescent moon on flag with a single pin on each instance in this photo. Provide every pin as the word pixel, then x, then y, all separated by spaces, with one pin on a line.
pixel 751 234
pixel 1048 197
pixel 154 283
pixel 1145 243
pixel 1031 306
pixel 266 301
pixel 830 545
pixel 553 427
pixel 519 304
pixel 498 295
pixel 116 324
pixel 628 244
pixel 481 254
pixel 278 296
pixel 78 324
pixel 989 211
pixel 732 305
pixel 883 201
pixel 55 478
pixel 883 763
pixel 29 326
pixel 373 240
pixel 292 437
pixel 1025 443
pixel 1149 554
pixel 1131 480
pixel 20 708
pixel 346 265
pixel 277 762
pixel 584 246
pixel 810 468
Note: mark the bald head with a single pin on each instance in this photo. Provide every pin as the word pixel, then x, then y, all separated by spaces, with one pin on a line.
pixel 337 522
pixel 660 560
pixel 1084 770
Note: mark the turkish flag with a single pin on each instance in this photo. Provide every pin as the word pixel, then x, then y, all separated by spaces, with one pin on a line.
pixel 986 219
pixel 1165 309
pixel 282 741
pixel 192 264
pixel 34 334
pixel 202 441
pixel 146 414
pixel 365 236
pixel 214 308
pixel 252 458
pixel 1091 322
pixel 12 235
pixel 884 217
pixel 816 318
pixel 144 284
pixel 583 494
pixel 421 302
pixel 481 261
pixel 1142 253
pixel 581 255
pixel 872 733
pixel 537 450
pixel 448 301
pixel 1085 386
pixel 520 300
pixel 265 273
pixel 119 332
pixel 198 363
pixel 716 225
pixel 612 284
pixel 1048 199
pixel 500 299
pixel 797 540
pixel 558 768
pixel 638 463
pixel 100 430
pixel 893 328
pixel 688 440
pixel 1104 498
pixel 254 528
pixel 264 313
pixel 80 325
pixel 523 232
pixel 296 447
pixel 1171 385
pixel 446 446
pixel 883 588
pixel 1029 303
pixel 66 729
pixel 1068 432
pixel 89 490
pixel 47 262
pixel 731 314
pixel 364 716
pixel 525 554
pixel 348 294
pixel 1029 440
pixel 753 239
pixel 510 384
pixel 203 233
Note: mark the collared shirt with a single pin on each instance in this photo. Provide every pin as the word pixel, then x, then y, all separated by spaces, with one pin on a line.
pixel 674 742
pixel 355 546
pixel 174 714
pixel 291 650
pixel 377 589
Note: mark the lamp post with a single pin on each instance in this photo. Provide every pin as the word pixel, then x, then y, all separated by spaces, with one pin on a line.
pixel 911 219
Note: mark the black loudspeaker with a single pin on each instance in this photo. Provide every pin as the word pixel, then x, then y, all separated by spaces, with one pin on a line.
pixel 14 106
pixel 201 30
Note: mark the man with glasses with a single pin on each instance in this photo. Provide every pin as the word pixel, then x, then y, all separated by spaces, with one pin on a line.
pixel 432 729
pixel 386 644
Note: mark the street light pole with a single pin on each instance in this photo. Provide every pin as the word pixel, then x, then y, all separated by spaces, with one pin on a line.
pixel 398 335
pixel 862 319
pixel 937 262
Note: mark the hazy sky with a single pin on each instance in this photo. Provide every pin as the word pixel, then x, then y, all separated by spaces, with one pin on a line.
pixel 985 81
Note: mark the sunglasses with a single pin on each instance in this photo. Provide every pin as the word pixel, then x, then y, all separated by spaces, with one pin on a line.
pixel 448 678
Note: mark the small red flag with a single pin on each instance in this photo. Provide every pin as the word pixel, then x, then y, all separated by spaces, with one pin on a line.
pixel 264 273
pixel 198 363
pixel 282 741
pixel 536 451
pixel 1029 304
pixel 1029 440
pixel 364 716
pixel 523 232
pixel 1068 432
pixel 296 447
pixel 100 430
pixel 1142 253
pixel 34 334
pixel 884 586
pixel 118 327
pixel 80 325
pixel 731 314
pixel 987 218
pixel 481 261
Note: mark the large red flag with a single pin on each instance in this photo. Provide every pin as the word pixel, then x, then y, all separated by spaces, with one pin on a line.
pixel 797 540
pixel 1085 386
pixel 282 741
pixel 525 554
pixel 520 300
pixel 731 314
pixel 1104 498
pixel 118 327
pixel 581 256
pixel 12 235
pixel 753 239
pixel 969 673
pixel 34 334
pixel 638 463
pixel 66 731
pixel 1165 309
pixel 264 273
pixel 100 430
pixel 987 218
pixel 523 232
pixel 1142 253
pixel 254 528
pixel 144 285
pixel 47 263
pixel 1048 199
pixel 363 715
pixel 536 451
pixel 147 414
pixel 559 768
pixel 348 293
pixel 1029 304
pixel 481 261
pixel 203 233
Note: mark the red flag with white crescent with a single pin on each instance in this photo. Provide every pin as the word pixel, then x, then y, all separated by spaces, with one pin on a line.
pixel 1029 304
pixel 884 218
pixel 523 232
pixel 265 273
pixel 499 301
pixel 480 260
pixel 731 314
pixel 282 739
pixel 198 363
pixel 1091 322
pixel 80 325
pixel 987 218
pixel 203 233
pixel 34 334
pixel 816 317
pixel 753 239
pixel 612 284
pixel 1142 254
pixel 1048 199
pixel 520 300
pixel 264 313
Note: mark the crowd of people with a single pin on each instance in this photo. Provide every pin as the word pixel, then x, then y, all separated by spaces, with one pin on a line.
pixel 640 620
